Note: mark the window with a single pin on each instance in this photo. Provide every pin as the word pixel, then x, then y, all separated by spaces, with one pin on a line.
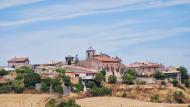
pixel 76 75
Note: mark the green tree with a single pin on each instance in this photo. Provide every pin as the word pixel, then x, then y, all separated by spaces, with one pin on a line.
pixel 3 72
pixel 184 74
pixel 67 80
pixel 99 79
pixel 103 72
pixel 79 86
pixel 112 79
pixel 175 83
pixel 91 84
pixel 132 72
pixel 31 79
pixel 187 83
pixel 128 78
pixel 60 70
pixel 44 87
pixel 159 76
pixel 18 85
pixel 24 70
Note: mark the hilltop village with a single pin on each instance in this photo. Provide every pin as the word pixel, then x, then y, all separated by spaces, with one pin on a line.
pixel 96 75
pixel 88 68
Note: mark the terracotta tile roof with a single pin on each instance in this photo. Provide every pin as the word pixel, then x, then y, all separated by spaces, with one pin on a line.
pixel 80 68
pixel 19 59
pixel 106 59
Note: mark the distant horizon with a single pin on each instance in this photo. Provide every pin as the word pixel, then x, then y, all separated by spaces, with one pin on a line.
pixel 134 30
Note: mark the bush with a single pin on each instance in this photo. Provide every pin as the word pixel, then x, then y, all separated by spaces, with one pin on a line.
pixel 159 76
pixel 51 103
pixel 58 89
pixel 112 79
pixel 175 83
pixel 178 96
pixel 188 106
pixel 100 91
pixel 31 79
pixel 91 84
pixel 124 95
pixel 163 83
pixel 70 103
pixel 18 86
pixel 44 87
pixel 79 86
pixel 154 98
pixel 67 80
pixel 187 83
pixel 5 89
pixel 140 82
pixel 3 72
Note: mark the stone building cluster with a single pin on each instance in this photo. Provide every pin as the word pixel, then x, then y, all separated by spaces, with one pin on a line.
pixel 91 65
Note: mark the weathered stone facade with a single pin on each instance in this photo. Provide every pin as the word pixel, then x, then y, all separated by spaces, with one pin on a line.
pixel 101 61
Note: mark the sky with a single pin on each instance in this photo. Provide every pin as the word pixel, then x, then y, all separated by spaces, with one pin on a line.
pixel 135 30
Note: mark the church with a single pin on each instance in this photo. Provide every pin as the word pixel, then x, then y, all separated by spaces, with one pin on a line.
pixel 112 65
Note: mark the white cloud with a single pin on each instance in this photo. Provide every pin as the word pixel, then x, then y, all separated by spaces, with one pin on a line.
pixel 11 3
pixel 68 11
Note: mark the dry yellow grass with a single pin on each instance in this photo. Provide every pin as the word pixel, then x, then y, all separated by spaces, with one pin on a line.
pixel 23 100
pixel 121 102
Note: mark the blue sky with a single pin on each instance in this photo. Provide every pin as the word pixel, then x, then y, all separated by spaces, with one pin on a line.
pixel 135 30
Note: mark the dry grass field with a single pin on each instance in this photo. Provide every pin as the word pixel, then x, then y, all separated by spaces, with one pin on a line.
pixel 120 102
pixel 23 100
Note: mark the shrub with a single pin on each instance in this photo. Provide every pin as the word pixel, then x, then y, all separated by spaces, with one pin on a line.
pixel 79 86
pixel 175 83
pixel 159 76
pixel 51 103
pixel 67 80
pixel 178 96
pixel 112 79
pixel 100 91
pixel 31 79
pixel 124 95
pixel 70 103
pixel 188 106
pixel 91 84
pixel 3 72
pixel 140 82
pixel 44 87
pixel 154 98
pixel 18 86
pixel 163 83
pixel 128 79
pixel 58 89
pixel 187 83
pixel 5 89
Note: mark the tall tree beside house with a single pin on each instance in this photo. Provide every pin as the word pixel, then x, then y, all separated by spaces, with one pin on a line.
pixel 184 74
pixel 100 77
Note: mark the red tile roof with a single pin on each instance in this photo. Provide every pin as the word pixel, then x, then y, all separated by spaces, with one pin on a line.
pixel 106 59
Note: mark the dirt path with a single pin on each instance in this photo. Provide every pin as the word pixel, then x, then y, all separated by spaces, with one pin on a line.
pixel 120 102
pixel 23 100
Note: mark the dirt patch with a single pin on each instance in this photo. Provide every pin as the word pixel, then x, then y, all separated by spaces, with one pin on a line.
pixel 120 102
pixel 23 100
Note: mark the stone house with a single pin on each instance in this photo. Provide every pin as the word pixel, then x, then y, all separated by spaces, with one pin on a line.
pixel 18 62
